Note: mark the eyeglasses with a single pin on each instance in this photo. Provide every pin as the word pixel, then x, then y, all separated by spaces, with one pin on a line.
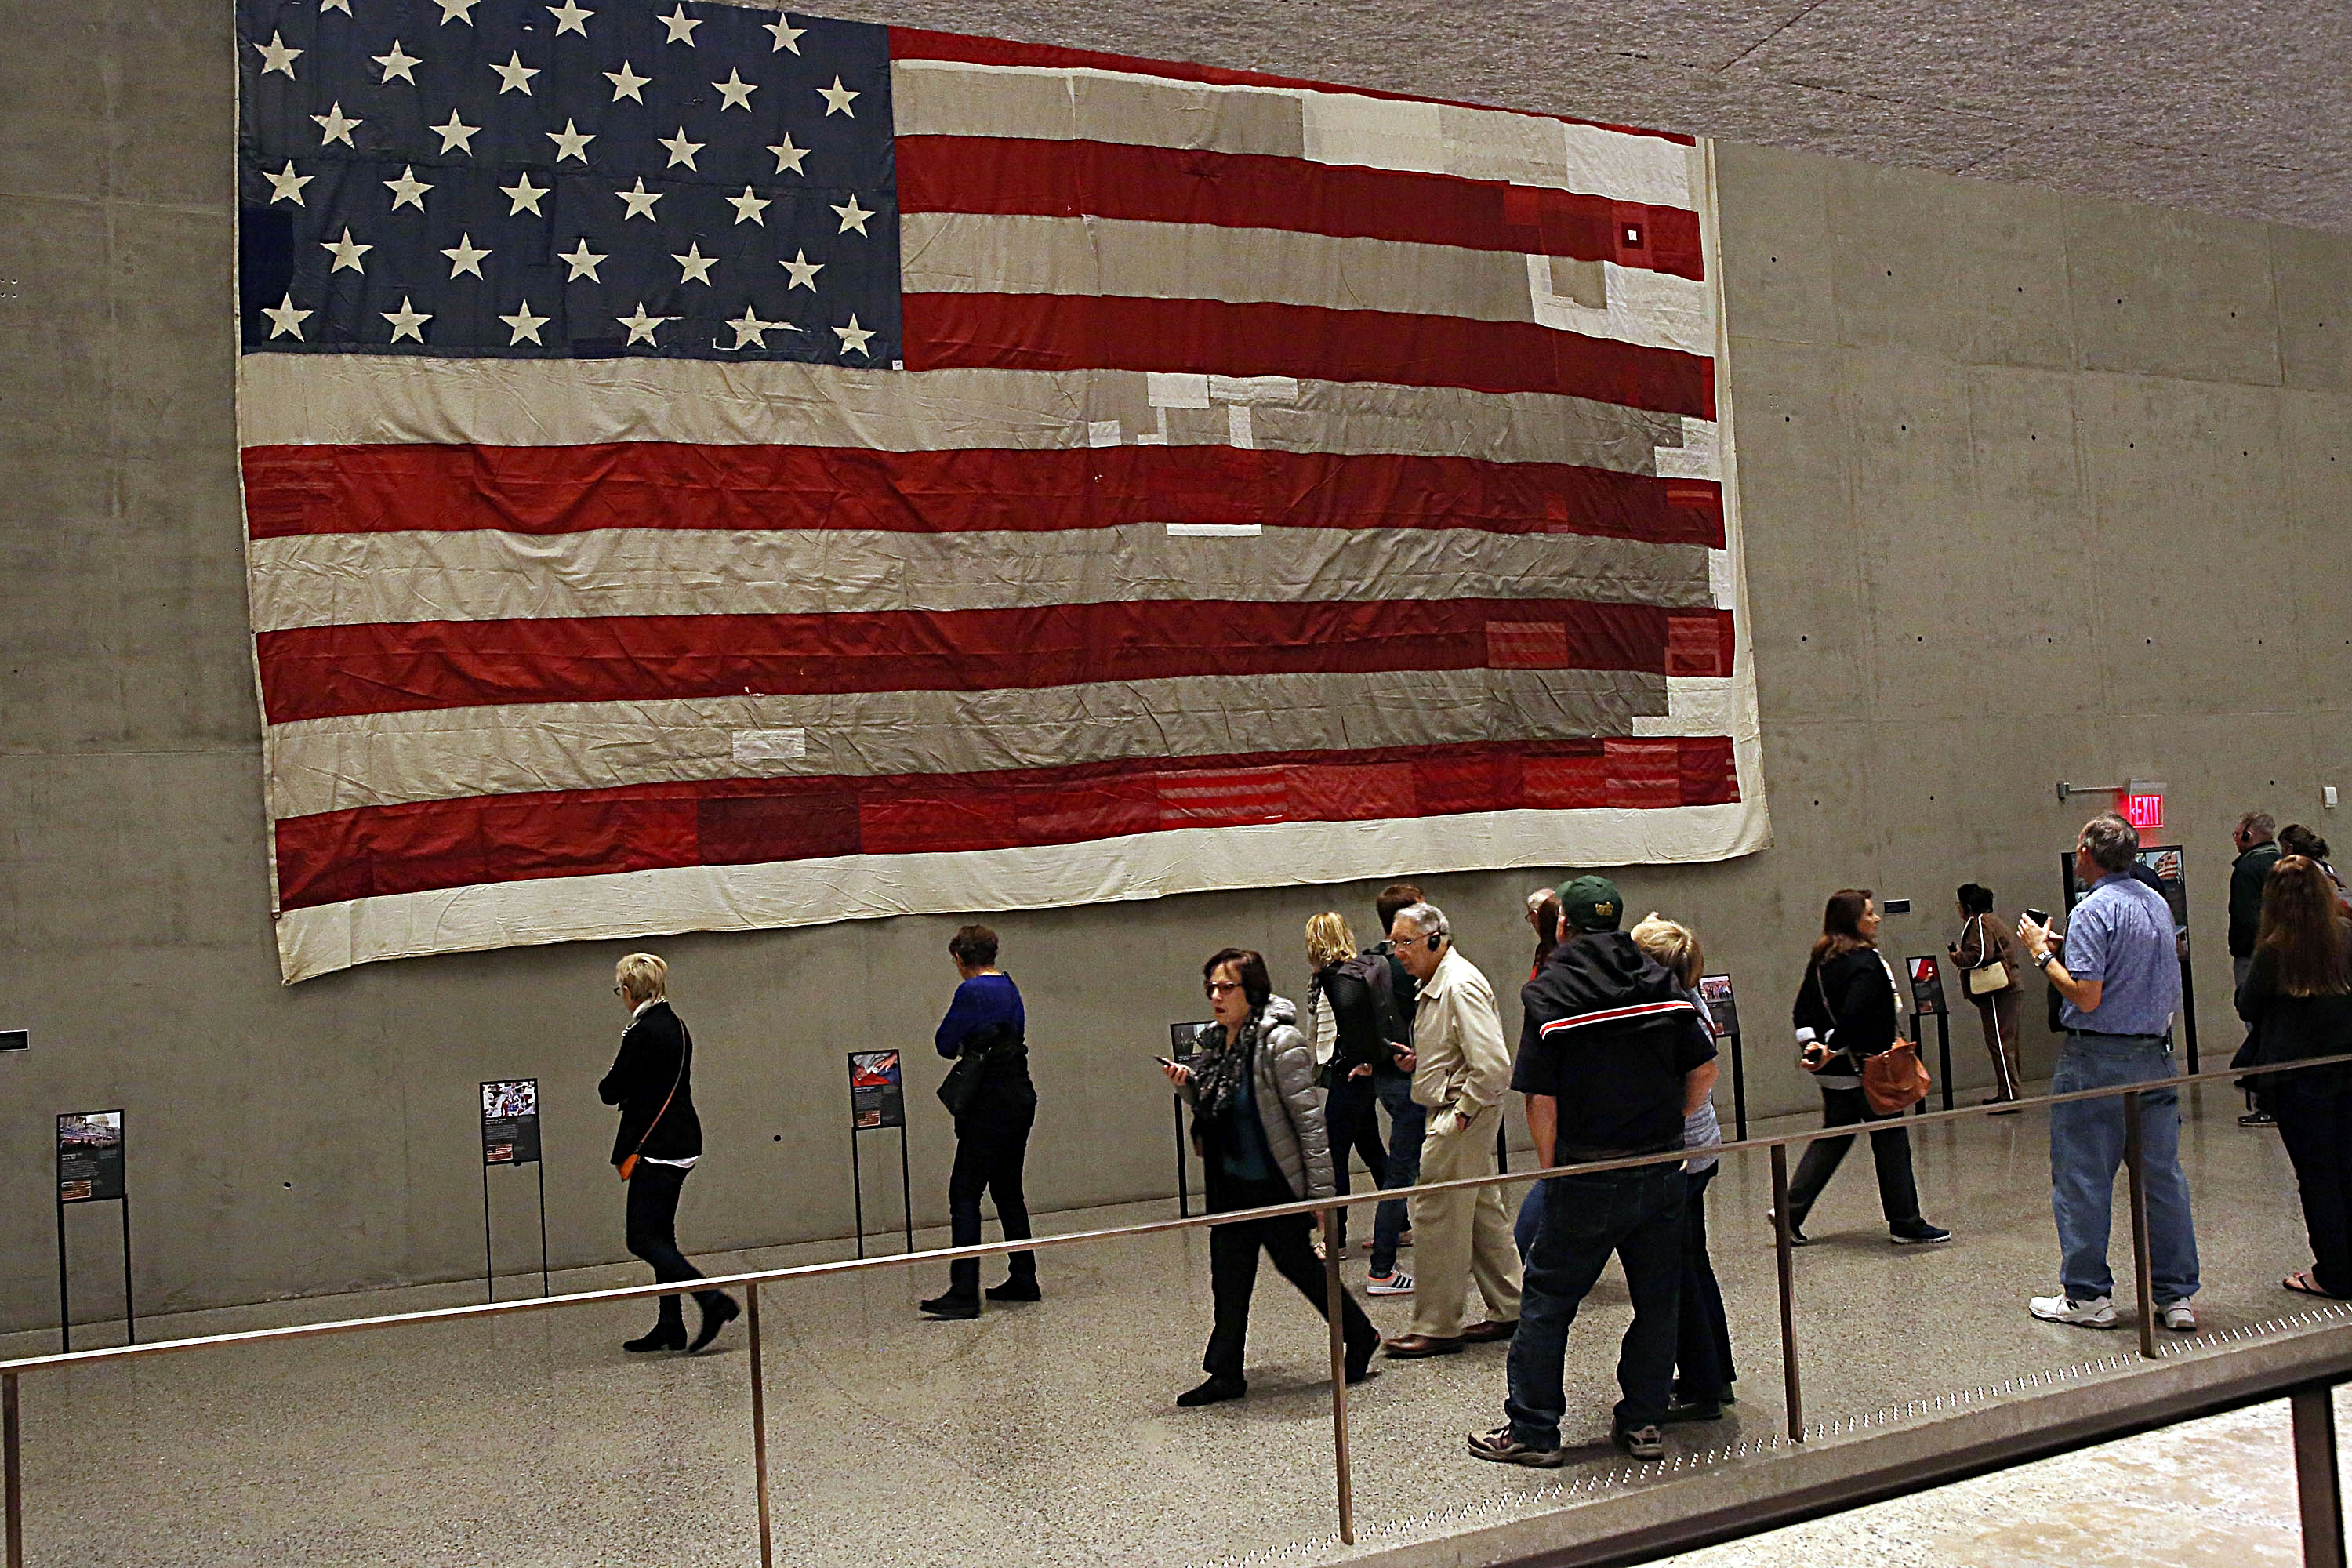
pixel 1221 987
pixel 617 990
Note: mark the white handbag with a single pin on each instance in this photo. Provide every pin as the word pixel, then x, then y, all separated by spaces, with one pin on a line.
pixel 1992 974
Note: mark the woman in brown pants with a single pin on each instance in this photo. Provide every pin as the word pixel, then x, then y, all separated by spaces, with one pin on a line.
pixel 1985 942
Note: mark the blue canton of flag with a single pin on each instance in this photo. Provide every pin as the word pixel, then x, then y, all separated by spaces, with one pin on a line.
pixel 465 177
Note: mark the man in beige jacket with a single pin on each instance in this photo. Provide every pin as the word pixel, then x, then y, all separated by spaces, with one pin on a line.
pixel 1462 1070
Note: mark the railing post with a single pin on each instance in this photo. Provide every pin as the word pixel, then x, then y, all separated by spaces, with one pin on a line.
pixel 758 1423
pixel 2317 1485
pixel 1335 1310
pixel 12 1441
pixel 2141 1270
pixel 1790 1389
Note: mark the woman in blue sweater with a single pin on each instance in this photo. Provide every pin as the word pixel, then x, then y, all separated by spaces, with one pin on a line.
pixel 985 1020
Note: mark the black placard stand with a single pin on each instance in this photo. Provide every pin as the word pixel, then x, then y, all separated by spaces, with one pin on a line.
pixel 503 1146
pixel 1927 973
pixel 92 1193
pixel 875 1107
pixel 1723 1019
pixel 1183 1045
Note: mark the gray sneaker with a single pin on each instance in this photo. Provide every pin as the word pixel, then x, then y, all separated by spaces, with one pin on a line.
pixel 1642 1442
pixel 1504 1449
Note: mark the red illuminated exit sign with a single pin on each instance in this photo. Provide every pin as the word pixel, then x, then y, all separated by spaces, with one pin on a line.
pixel 2143 805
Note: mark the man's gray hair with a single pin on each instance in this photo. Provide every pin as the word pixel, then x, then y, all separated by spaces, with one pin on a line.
pixel 2113 843
pixel 2258 825
pixel 1426 919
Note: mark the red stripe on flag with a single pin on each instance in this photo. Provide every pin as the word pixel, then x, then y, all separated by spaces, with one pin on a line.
pixel 317 672
pixel 293 491
pixel 380 850
pixel 1238 190
pixel 1075 332
pixel 918 44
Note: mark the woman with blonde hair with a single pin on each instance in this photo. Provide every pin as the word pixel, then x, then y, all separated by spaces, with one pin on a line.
pixel 1350 1030
pixel 659 1140
pixel 1702 1373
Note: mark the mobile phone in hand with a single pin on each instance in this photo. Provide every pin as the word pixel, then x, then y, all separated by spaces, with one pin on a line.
pixel 2039 917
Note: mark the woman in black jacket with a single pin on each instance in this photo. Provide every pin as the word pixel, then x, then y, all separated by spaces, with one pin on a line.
pixel 2297 1004
pixel 1845 1011
pixel 659 1140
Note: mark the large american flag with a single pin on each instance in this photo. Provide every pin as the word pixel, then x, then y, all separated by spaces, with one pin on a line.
pixel 713 468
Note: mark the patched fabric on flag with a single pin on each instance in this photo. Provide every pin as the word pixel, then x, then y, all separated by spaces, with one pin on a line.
pixel 711 468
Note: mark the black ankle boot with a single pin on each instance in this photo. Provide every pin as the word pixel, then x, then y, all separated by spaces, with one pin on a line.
pixel 952 1305
pixel 1015 1291
pixel 665 1336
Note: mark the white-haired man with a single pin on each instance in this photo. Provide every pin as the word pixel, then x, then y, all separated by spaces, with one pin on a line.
pixel 1461 1073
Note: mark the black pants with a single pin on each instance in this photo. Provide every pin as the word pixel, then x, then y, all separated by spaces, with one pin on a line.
pixel 2315 1125
pixel 652 1232
pixel 1703 1331
pixel 1890 1151
pixel 1351 1112
pixel 1233 1277
pixel 991 1142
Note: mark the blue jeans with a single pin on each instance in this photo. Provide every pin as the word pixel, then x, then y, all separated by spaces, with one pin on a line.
pixel 1638 1215
pixel 1407 1123
pixel 2087 1145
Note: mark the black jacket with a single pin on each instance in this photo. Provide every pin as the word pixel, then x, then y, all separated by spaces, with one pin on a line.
pixel 1852 995
pixel 1609 1036
pixel 2248 872
pixel 2282 1028
pixel 656 1053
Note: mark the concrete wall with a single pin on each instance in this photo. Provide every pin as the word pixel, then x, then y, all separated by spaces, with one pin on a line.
pixel 2034 488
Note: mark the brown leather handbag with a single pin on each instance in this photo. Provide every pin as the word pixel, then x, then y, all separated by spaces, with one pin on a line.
pixel 1894 1080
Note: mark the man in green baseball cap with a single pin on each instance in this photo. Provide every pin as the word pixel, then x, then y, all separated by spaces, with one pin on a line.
pixel 1591 904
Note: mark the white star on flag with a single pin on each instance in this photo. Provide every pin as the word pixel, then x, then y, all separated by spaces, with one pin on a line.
pixel 681 151
pixel 408 321
pixel 852 336
pixel 641 326
pixel 524 324
pixel 327 5
pixel 464 256
pixel 514 76
pixel 837 98
pixel 408 191
pixel 333 126
pixel 626 83
pixel 751 332
pixel 570 141
pixel 640 201
pixel 788 157
pixel 681 29
pixel 276 56
pixel 804 271
pixel 285 185
pixel 583 262
pixel 285 320
pixel 458 11
pixel 695 265
pixel 526 195
pixel 568 18
pixel 346 251
pixel 398 64
pixel 735 92
pixel 750 208
pixel 852 216
pixel 457 134
pixel 787 36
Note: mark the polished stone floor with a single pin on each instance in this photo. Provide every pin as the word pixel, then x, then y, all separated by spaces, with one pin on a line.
pixel 1044 1432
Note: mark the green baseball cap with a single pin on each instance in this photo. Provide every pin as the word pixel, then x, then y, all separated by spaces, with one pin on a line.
pixel 1591 904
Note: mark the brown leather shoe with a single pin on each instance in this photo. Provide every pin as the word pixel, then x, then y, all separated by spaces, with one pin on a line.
pixel 1412 1345
pixel 1492 1329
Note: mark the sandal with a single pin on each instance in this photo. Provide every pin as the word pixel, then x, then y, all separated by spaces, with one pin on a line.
pixel 2302 1284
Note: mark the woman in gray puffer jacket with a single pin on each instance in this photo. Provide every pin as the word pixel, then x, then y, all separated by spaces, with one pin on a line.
pixel 1257 1121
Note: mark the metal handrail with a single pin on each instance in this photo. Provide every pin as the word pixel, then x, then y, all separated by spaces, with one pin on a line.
pixel 1326 1208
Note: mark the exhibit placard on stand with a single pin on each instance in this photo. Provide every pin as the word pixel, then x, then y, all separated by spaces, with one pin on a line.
pixel 1183 1045
pixel 1723 1019
pixel 878 1100
pixel 90 1170
pixel 1927 1002
pixel 510 1137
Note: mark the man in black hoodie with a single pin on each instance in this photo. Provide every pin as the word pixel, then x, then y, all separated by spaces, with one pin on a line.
pixel 1611 1058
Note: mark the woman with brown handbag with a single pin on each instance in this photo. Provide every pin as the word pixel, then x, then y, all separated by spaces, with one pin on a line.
pixel 1986 956
pixel 1846 1011
pixel 659 1140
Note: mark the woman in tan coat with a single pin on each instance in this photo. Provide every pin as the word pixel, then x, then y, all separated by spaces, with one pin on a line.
pixel 1985 942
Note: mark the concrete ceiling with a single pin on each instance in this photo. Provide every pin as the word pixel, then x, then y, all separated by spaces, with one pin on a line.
pixel 2244 109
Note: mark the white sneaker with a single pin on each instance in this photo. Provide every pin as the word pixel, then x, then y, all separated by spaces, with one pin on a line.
pixel 1397 1284
pixel 2179 1317
pixel 2099 1312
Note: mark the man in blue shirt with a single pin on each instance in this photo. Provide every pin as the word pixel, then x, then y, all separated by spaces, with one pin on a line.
pixel 2120 981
